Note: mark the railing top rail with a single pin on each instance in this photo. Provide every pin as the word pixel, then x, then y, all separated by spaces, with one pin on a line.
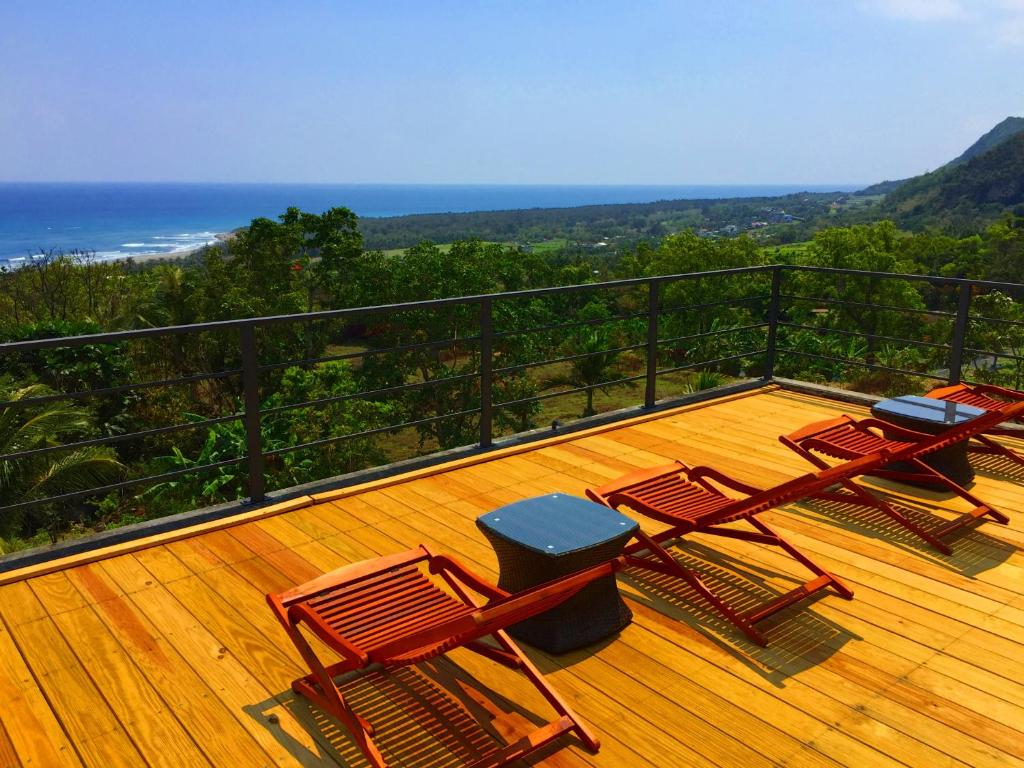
pixel 112 337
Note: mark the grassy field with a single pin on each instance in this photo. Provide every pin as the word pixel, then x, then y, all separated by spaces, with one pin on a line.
pixel 791 252
pixel 541 247
pixel 443 247
pixel 549 246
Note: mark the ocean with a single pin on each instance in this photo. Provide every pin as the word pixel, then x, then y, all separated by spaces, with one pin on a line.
pixel 116 220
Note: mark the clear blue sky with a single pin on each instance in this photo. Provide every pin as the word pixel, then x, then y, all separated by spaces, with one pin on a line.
pixel 687 92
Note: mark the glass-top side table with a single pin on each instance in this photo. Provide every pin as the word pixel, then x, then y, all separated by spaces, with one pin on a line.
pixel 932 416
pixel 543 538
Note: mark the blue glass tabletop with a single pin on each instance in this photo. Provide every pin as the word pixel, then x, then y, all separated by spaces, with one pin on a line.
pixel 557 524
pixel 927 409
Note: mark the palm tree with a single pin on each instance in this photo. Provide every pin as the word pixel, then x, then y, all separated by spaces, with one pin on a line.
pixel 599 370
pixel 28 427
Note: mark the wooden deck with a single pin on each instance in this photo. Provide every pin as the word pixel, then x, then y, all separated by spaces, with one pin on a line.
pixel 168 655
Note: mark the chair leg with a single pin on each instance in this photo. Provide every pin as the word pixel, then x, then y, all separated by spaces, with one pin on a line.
pixel 512 656
pixel 869 499
pixel 320 688
pixel 980 506
pixel 840 588
pixel 996 448
pixel 359 727
pixel 587 736
pixel 671 567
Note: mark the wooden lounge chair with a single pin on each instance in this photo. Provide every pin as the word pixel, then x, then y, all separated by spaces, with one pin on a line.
pixel 691 500
pixel 988 397
pixel 390 612
pixel 847 438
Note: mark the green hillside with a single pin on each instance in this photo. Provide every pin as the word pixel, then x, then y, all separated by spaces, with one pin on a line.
pixel 966 193
pixel 1010 127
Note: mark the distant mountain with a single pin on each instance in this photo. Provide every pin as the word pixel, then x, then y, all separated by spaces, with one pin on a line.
pixel 975 188
pixel 882 187
pixel 1008 128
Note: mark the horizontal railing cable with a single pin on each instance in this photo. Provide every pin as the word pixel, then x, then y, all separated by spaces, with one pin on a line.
pixel 259 322
pixel 110 439
pixel 717 361
pixel 367 394
pixel 104 489
pixel 707 334
pixel 368 432
pixel 104 392
pixel 563 392
pixel 866 305
pixel 569 358
pixel 566 326
pixel 418 346
pixel 864 334
pixel 851 361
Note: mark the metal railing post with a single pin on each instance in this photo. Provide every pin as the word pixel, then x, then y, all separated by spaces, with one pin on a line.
pixel 486 368
pixel 251 389
pixel 956 354
pixel 773 324
pixel 653 302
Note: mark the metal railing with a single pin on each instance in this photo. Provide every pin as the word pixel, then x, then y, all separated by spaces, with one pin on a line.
pixel 770 310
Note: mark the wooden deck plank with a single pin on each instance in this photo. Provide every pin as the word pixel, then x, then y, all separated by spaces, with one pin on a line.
pixel 35 733
pixel 98 734
pixel 151 724
pixel 216 729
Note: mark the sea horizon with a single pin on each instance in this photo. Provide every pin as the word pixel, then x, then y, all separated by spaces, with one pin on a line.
pixel 118 220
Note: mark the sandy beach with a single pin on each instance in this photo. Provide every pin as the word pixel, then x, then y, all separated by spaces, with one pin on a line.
pixel 222 239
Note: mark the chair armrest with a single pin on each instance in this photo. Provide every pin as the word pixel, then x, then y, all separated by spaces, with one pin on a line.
pixel 994 389
pixel 814 429
pixel 444 563
pixel 713 474
pixel 900 432
pixel 300 613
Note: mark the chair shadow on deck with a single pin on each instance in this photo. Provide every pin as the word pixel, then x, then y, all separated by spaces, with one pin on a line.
pixel 973 550
pixel 435 714
pixel 998 467
pixel 797 637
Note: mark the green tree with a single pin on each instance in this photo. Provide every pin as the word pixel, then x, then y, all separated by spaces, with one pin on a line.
pixel 445 359
pixel 870 305
pixel 1004 249
pixel 716 303
pixel 601 367
pixel 1001 330
pixel 26 427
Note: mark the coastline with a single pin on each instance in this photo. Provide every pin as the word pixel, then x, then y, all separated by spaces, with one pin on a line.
pixel 221 239
pixel 105 217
